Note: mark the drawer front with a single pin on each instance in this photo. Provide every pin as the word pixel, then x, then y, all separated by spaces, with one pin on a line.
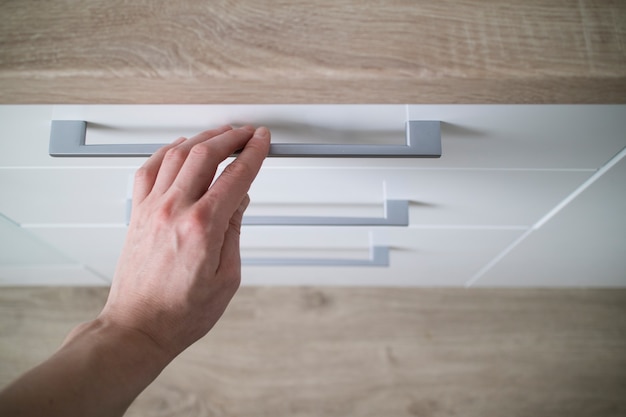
pixel 417 257
pixel 436 197
pixel 527 137
pixel 27 259
pixel 584 245
pixel 95 248
pixel 65 195
pixel 473 136
pixel 50 275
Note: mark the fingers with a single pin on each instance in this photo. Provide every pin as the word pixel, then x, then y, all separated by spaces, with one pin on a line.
pixel 188 167
pixel 229 189
pixel 198 171
pixel 174 158
pixel 145 176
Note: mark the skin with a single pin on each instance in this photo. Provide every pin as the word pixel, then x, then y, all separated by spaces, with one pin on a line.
pixel 179 269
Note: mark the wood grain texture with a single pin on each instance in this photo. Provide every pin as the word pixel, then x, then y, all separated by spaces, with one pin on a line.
pixel 327 51
pixel 367 352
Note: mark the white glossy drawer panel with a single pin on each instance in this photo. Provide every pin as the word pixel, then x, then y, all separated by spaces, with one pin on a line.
pixel 25 136
pixel 417 257
pixel 25 130
pixel 583 245
pixel 288 123
pixel 503 169
pixel 64 195
pixel 45 275
pixel 526 136
pixel 96 247
pixel 473 136
pixel 437 197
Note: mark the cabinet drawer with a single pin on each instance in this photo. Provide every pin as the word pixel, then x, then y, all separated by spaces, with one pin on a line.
pixel 418 257
pixel 473 136
pixel 96 248
pixel 436 197
pixel 49 275
pixel 526 136
pixel 65 195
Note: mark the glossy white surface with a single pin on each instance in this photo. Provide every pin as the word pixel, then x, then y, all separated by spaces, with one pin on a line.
pixel 527 136
pixel 46 275
pixel 472 212
pixel 437 197
pixel 584 244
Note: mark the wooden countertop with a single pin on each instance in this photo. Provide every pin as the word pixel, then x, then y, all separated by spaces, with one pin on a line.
pixel 327 51
pixel 326 351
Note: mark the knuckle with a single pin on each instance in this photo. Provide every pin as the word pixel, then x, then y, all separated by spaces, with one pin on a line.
pixel 164 213
pixel 212 203
pixel 206 152
pixel 202 150
pixel 175 154
pixel 237 170
pixel 194 223
pixel 144 174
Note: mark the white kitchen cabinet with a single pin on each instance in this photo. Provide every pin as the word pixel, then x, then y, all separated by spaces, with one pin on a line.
pixel 550 137
pixel 65 195
pixel 437 197
pixel 584 245
pixel 26 259
pixel 50 275
pixel 97 247
pixel 418 257
pixel 473 213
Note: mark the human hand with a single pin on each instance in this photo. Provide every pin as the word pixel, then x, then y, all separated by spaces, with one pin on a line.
pixel 181 263
pixel 178 271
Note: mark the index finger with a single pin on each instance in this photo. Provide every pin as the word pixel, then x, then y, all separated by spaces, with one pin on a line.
pixel 234 182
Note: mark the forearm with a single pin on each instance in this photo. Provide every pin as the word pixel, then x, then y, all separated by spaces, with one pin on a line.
pixel 99 371
pixel 179 270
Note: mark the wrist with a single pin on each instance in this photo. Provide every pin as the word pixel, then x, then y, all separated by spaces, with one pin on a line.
pixel 119 354
pixel 116 339
pixel 98 371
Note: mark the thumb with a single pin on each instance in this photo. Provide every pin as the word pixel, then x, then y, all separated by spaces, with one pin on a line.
pixel 230 260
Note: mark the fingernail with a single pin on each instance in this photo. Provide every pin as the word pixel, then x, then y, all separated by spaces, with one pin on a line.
pixel 179 141
pixel 262 132
pixel 247 127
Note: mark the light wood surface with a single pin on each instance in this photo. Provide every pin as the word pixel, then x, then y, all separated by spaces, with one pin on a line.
pixel 367 352
pixel 326 51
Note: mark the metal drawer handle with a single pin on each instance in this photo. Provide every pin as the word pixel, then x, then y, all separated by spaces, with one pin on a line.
pixel 379 256
pixel 423 140
pixel 396 214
